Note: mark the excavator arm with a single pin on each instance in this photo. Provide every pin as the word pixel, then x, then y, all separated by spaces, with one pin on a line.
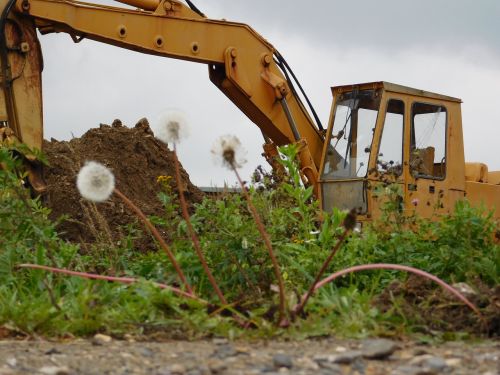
pixel 242 64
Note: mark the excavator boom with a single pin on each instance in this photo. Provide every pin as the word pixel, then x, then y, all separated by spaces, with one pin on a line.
pixel 242 64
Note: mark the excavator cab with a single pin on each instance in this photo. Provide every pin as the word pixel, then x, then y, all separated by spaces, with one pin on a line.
pixel 381 133
pixel 351 131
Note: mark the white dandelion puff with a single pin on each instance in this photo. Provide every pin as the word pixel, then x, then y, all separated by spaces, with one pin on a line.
pixel 229 152
pixel 171 127
pixel 95 182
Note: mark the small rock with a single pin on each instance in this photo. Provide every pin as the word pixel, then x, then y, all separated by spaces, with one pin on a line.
pixel 100 339
pixel 163 371
pixel 453 362
pixel 307 363
pixel 220 341
pixel 54 370
pixel 52 351
pixel 465 289
pixel 242 350
pixel 11 362
pixel 378 348
pixel 358 366
pixel 117 123
pixel 332 368
pixel 417 361
pixel 412 370
pixel 347 358
pixel 428 361
pixel 435 363
pixel 404 355
pixel 266 369
pixel 204 369
pixel 419 351
pixel 143 123
pixel 129 337
pixel 177 369
pixel 224 351
pixel 282 360
pixel 493 357
pixel 323 358
pixel 217 366
pixel 146 352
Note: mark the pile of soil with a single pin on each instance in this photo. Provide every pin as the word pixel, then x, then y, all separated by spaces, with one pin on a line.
pixel 135 157
pixel 421 300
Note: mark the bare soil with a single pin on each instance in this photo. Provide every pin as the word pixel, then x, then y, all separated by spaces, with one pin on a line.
pixel 438 310
pixel 136 158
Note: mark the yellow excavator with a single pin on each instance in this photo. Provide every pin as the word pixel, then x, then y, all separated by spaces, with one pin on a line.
pixel 378 132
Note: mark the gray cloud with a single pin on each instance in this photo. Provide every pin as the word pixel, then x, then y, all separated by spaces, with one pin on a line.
pixel 386 24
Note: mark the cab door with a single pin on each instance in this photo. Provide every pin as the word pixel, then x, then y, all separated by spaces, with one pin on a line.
pixel 427 154
pixel 387 173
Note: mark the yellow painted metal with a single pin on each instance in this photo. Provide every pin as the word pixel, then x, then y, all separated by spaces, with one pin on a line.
pixel 494 178
pixel 486 194
pixel 476 172
pixel 150 5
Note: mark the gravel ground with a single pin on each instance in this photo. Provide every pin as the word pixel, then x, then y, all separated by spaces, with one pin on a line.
pixel 102 355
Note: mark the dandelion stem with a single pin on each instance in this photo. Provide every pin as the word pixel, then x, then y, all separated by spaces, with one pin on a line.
pixel 282 306
pixel 416 271
pixel 123 280
pixel 158 237
pixel 300 307
pixel 194 237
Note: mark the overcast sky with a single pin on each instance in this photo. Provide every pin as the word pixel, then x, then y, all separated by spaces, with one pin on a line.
pixel 447 46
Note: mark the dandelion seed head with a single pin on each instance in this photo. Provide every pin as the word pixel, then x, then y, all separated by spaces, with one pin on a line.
pixel 228 151
pixel 95 182
pixel 171 127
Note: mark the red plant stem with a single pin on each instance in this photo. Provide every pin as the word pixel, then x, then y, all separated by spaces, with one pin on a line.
pixel 311 290
pixel 267 241
pixel 123 280
pixel 398 267
pixel 158 237
pixel 194 237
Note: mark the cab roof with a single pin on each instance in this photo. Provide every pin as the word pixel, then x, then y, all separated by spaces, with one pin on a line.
pixel 392 87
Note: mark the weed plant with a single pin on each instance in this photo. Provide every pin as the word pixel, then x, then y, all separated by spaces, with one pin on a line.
pixel 457 248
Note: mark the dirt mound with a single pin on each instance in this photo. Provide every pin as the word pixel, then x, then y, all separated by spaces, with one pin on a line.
pixel 437 309
pixel 136 158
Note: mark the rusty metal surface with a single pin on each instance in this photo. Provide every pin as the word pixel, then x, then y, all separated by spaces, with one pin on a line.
pixel 21 99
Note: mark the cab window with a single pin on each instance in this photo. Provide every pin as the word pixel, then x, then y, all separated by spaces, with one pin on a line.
pixel 428 141
pixel 351 135
pixel 390 154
